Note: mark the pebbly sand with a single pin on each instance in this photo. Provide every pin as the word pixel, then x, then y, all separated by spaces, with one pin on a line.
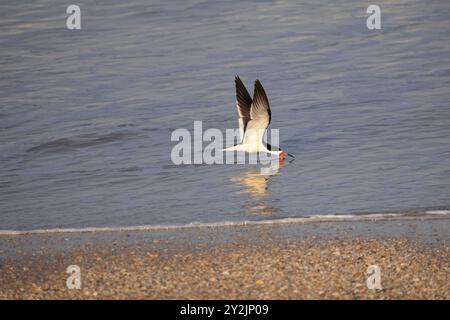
pixel 298 261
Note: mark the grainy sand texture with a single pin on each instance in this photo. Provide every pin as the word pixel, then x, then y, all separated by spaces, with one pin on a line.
pixel 295 262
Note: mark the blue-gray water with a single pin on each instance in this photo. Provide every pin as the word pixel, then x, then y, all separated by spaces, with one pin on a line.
pixel 86 115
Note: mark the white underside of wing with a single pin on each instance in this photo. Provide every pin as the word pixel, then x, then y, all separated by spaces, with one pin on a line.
pixel 241 130
pixel 253 138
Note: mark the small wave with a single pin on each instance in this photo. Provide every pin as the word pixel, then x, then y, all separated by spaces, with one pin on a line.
pixel 431 214
pixel 438 212
pixel 67 144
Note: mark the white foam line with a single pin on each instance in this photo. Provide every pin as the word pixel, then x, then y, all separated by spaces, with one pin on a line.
pixel 308 219
pixel 438 212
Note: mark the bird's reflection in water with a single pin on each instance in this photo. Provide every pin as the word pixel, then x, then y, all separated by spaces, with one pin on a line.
pixel 256 186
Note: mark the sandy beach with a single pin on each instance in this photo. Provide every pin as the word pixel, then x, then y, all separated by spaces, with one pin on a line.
pixel 299 261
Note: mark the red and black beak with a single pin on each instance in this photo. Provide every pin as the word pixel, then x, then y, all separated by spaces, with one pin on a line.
pixel 285 154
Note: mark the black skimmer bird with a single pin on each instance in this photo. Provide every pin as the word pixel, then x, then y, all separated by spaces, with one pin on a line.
pixel 254 118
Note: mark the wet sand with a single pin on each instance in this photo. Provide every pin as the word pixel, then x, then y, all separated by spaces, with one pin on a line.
pixel 299 261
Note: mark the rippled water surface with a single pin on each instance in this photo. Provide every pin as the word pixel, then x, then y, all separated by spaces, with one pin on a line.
pixel 86 116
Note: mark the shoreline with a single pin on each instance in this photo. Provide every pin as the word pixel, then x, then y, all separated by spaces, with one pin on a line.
pixel 375 216
pixel 325 260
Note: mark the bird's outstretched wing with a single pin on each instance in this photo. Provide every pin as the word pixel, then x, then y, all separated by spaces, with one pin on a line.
pixel 243 104
pixel 260 116
pixel 260 109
